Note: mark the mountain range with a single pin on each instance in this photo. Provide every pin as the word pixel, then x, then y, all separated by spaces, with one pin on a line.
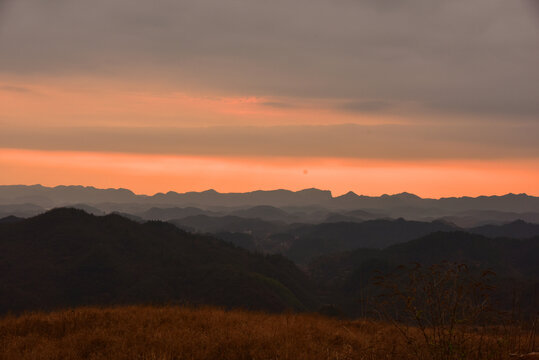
pixel 302 242
pixel 63 195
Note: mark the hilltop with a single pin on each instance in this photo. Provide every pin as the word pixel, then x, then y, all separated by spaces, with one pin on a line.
pixel 67 257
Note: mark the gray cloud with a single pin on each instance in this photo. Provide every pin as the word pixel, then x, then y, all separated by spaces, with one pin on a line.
pixel 3 9
pixel 534 4
pixel 277 104
pixel 403 142
pixel 474 57
pixel 365 106
pixel 17 89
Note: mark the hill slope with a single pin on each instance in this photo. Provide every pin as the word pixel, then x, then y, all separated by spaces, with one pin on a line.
pixel 315 240
pixel 67 257
pixel 514 262
pixel 518 229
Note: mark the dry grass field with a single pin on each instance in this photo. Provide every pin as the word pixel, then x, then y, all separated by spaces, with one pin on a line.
pixel 143 332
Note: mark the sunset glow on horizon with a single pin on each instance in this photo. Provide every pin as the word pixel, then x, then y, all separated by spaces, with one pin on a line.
pixel 150 174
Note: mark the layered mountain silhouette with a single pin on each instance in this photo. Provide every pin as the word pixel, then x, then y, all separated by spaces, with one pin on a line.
pixel 232 249
pixel 315 240
pixel 269 229
pixel 473 218
pixel 518 229
pixel 67 257
pixel 303 242
pixel 396 205
pixel 10 219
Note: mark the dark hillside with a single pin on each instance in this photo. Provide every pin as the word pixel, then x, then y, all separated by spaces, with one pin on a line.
pixel 514 262
pixel 518 229
pixel 10 219
pixel 67 257
pixel 328 238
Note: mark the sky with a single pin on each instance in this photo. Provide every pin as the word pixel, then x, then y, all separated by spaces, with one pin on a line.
pixel 438 98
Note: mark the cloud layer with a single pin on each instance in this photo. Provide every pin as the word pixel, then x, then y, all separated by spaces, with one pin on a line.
pixel 390 142
pixel 461 57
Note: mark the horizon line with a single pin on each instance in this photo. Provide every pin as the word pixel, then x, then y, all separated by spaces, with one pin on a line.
pixel 271 190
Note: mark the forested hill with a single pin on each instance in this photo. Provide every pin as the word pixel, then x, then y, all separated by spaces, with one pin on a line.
pixel 513 261
pixel 67 257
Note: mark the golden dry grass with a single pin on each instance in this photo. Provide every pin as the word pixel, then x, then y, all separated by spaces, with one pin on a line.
pixel 143 332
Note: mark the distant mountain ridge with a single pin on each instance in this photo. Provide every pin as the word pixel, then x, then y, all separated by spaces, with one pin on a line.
pixel 327 238
pixel 61 195
pixel 303 242
pixel 517 229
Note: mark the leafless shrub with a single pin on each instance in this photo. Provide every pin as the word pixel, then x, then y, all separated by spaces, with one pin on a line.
pixel 444 312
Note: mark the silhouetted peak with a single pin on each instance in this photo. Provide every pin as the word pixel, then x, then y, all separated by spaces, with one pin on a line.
pixel 313 190
pixel 519 222
pixel 74 213
pixel 511 195
pixel 406 196
pixel 349 195
pixel 89 188
pixel 315 194
pixel 205 192
pixel 35 186
pixel 64 212
pixel 123 190
pixel 10 219
pixel 210 191
pixel 280 191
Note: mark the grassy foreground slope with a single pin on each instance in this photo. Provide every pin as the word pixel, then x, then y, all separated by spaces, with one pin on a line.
pixel 179 333
pixel 143 332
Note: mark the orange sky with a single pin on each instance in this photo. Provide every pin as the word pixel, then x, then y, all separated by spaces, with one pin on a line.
pixel 50 104
pixel 99 101
pixel 241 95
pixel 148 174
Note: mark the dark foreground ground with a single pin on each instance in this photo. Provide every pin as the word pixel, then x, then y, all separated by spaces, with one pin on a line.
pixel 143 332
